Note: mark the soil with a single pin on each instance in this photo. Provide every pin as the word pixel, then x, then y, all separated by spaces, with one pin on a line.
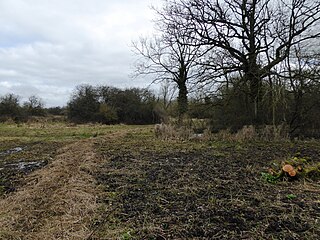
pixel 18 160
pixel 57 201
pixel 130 185
pixel 179 190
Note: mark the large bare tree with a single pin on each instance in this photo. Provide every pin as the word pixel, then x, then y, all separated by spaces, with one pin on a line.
pixel 170 55
pixel 250 37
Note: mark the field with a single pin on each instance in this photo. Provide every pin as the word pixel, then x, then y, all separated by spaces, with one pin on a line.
pixel 120 182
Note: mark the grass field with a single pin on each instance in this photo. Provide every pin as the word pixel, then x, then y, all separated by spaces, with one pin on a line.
pixel 120 182
pixel 38 144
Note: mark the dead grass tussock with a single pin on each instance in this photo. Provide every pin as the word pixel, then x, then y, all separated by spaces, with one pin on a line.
pixel 189 129
pixel 252 133
pixel 59 201
pixel 174 132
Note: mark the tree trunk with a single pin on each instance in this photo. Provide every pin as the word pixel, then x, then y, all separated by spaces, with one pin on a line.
pixel 182 101
pixel 297 118
pixel 255 83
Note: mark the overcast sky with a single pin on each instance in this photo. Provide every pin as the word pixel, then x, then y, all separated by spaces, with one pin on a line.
pixel 48 47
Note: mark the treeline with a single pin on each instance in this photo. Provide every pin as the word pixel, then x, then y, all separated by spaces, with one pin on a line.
pixel 88 104
pixel 110 105
pixel 12 109
pixel 256 62
pixel 295 107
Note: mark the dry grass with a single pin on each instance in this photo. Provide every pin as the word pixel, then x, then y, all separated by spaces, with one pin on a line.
pixel 190 131
pixel 158 189
pixel 252 133
pixel 59 201
pixel 172 132
pixel 161 189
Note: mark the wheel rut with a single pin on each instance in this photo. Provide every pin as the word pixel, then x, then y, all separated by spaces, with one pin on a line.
pixel 59 201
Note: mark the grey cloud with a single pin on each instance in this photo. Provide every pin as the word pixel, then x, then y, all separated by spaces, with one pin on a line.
pixel 48 47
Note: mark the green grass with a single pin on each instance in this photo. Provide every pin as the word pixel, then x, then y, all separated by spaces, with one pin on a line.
pixel 177 189
pixel 40 143
pixel 55 131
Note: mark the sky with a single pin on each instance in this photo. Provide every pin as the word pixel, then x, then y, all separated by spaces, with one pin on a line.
pixel 48 47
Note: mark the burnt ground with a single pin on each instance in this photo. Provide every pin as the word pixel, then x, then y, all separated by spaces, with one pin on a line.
pixel 157 189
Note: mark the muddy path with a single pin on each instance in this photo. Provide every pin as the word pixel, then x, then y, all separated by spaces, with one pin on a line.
pixel 18 159
pixel 57 201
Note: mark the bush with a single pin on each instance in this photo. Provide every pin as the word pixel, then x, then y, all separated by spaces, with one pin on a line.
pixel 84 105
pixel 110 105
pixel 34 107
pixel 10 108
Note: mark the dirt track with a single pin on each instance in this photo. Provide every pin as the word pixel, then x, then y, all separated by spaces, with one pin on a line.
pixel 58 202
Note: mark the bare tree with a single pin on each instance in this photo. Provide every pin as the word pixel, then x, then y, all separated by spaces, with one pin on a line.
pixel 167 93
pixel 250 37
pixel 34 106
pixel 301 73
pixel 170 55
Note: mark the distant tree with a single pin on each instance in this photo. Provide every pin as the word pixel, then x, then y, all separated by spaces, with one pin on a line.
pixel 34 106
pixel 84 104
pixel 9 107
pixel 133 106
pixel 107 114
pixel 111 105
pixel 56 110
pixel 229 110
pixel 167 93
pixel 302 75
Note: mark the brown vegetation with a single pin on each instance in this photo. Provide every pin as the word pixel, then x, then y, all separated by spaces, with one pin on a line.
pixel 171 189
pixel 124 183
pixel 58 202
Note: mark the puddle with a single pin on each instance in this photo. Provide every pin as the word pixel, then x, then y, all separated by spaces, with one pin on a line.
pixel 10 173
pixel 18 161
pixel 19 165
pixel 24 166
pixel 11 151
